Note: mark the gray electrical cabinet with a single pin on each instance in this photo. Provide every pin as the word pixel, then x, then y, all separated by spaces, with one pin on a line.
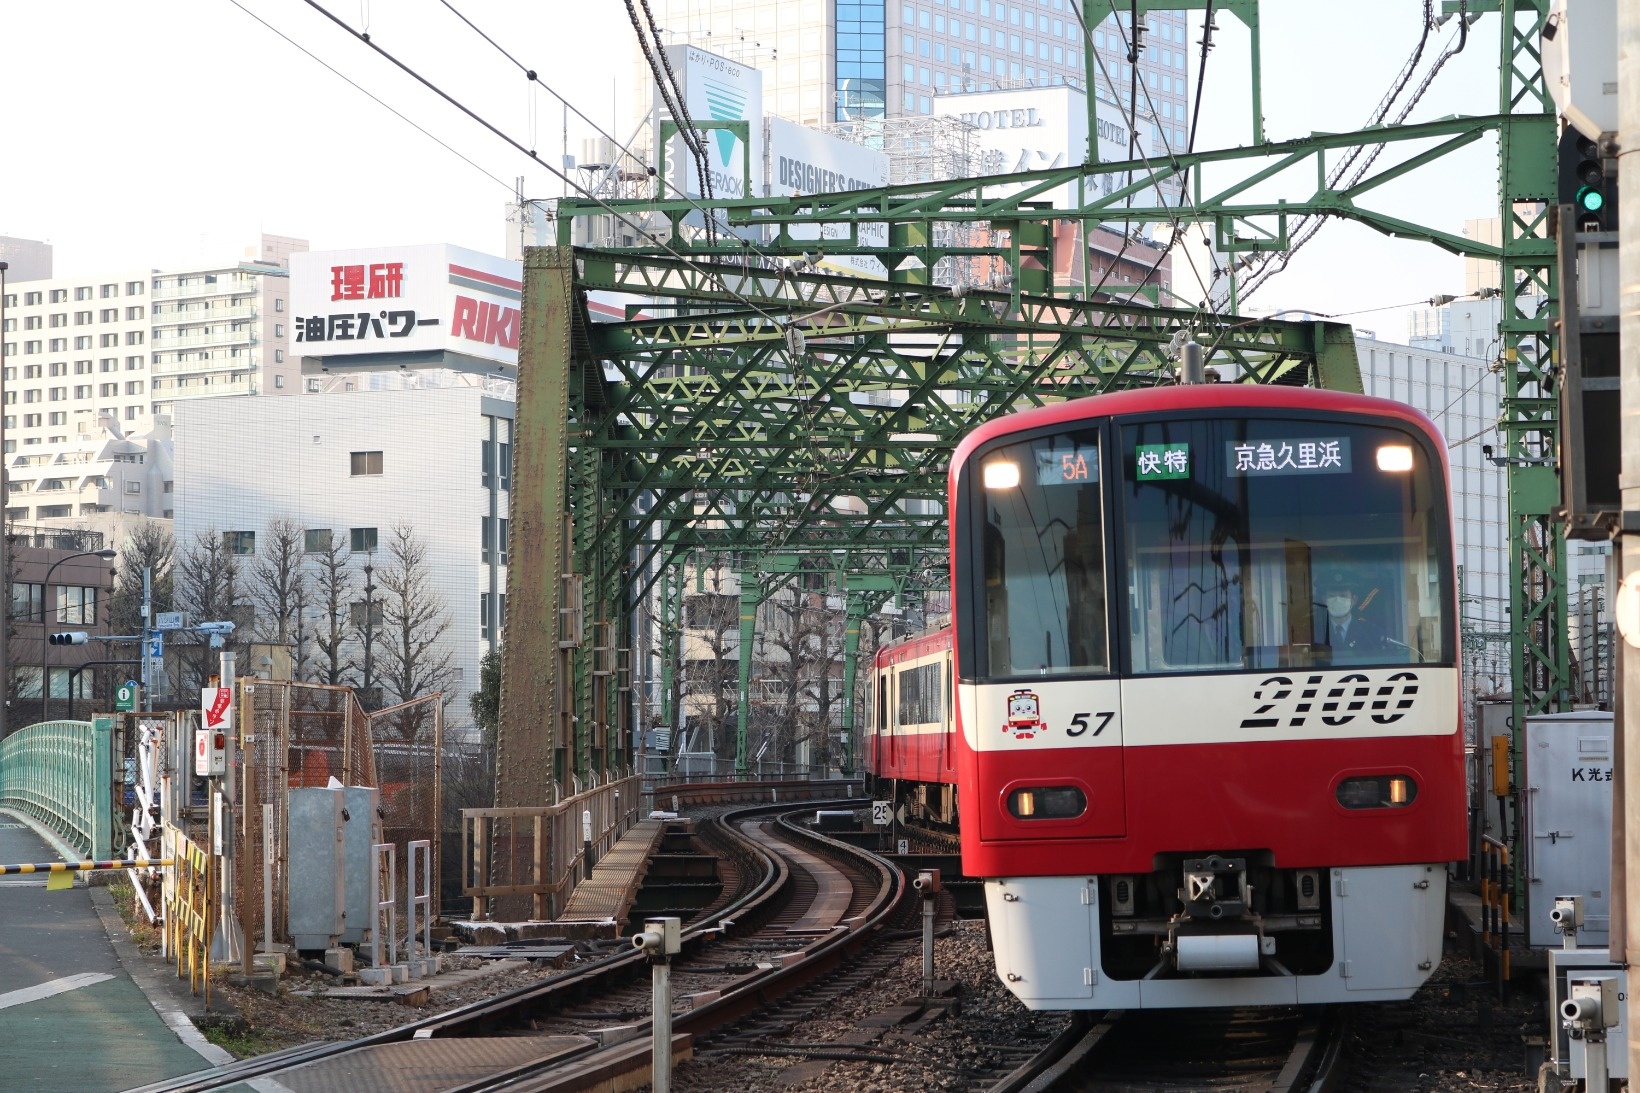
pixel 364 830
pixel 1580 963
pixel 1566 818
pixel 315 834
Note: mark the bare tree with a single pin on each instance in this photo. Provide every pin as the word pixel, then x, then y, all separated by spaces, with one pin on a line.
pixel 711 679
pixel 416 655
pixel 329 595
pixel 275 582
pixel 150 546
pixel 208 588
pixel 364 628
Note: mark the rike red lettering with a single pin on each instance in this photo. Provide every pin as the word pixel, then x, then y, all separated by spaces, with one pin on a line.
pixel 504 327
pixel 464 323
pixel 482 321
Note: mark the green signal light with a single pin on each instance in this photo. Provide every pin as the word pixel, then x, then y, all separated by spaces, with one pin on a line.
pixel 1590 200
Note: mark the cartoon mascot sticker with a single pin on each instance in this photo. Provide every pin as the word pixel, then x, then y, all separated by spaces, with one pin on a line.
pixel 1024 716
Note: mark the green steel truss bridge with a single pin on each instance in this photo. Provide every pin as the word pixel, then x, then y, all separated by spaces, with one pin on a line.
pixel 749 407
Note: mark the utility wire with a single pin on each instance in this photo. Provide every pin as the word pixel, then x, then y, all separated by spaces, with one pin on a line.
pixel 376 99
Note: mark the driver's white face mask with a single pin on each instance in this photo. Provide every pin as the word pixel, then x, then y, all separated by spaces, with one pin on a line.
pixel 1339 605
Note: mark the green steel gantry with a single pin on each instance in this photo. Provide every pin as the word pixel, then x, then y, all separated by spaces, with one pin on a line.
pixel 746 405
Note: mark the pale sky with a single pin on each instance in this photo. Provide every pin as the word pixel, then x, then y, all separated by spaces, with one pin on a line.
pixel 167 134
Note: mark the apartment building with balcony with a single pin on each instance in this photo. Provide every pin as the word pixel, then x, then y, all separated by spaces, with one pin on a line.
pixel 220 331
pixel 96 479
pixel 131 344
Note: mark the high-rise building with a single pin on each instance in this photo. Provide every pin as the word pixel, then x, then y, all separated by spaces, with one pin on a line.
pixel 832 60
pixel 131 344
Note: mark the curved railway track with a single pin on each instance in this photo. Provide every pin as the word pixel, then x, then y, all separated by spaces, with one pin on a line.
pixel 803 922
pixel 804 905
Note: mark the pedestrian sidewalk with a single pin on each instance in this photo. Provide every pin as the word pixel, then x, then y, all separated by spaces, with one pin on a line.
pixel 82 1010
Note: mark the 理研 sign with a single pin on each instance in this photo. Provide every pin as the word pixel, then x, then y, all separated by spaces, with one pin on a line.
pixel 416 299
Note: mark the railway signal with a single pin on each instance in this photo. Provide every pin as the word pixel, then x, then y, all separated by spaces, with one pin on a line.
pixel 1586 183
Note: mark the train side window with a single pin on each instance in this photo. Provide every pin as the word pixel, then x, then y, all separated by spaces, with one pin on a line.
pixel 1043 564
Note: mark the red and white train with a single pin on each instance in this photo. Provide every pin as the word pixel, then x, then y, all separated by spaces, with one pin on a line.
pixel 1206 744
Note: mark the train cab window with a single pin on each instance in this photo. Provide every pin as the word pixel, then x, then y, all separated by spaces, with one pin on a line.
pixel 1258 543
pixel 1043 558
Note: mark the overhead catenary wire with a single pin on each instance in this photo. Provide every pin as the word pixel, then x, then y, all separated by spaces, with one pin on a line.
pixel 667 83
pixel 1131 116
pixel 1310 226
pixel 707 269
pixel 689 135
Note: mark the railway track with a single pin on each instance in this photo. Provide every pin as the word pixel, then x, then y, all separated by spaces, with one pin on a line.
pixel 1246 1050
pixel 803 907
pixel 804 925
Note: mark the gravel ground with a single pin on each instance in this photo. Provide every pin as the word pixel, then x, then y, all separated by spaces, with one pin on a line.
pixel 1455 1034
pixel 273 1022
pixel 929 1058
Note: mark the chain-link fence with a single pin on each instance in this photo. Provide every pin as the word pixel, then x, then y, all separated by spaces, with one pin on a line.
pixel 294 735
pixel 408 742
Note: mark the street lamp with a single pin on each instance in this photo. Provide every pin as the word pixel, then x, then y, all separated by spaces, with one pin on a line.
pixel 45 630
pixel 5 547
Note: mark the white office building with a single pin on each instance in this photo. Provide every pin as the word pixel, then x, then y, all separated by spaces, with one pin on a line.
pixel 361 464
pixel 826 62
pixel 25 259
pixel 1462 396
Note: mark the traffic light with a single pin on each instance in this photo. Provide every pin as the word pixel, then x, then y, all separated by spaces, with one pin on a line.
pixel 1586 184
pixel 72 637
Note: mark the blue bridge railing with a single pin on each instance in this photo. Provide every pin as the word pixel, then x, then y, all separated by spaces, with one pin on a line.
pixel 61 773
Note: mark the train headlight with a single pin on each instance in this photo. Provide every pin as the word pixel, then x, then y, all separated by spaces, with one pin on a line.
pixel 1000 474
pixel 1378 791
pixel 1395 457
pixel 1047 803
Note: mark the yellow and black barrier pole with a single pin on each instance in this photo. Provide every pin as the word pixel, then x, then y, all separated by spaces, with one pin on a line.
pixel 79 866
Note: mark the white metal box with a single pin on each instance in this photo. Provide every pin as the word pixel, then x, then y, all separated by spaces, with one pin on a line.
pixel 1566 818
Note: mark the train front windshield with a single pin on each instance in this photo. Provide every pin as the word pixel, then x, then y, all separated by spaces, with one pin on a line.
pixel 1238 543
pixel 1261 543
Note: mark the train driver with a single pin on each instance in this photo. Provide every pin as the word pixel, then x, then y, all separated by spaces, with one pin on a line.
pixel 1352 635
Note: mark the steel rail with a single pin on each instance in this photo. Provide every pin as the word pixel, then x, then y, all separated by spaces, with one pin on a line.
pixel 485 1015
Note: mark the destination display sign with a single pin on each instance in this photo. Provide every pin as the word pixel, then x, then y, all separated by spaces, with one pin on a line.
pixel 1295 455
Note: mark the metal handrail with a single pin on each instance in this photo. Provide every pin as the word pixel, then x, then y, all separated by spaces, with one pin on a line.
pixel 61 773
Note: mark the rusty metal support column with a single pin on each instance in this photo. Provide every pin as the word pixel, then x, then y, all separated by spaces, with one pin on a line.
pixel 530 754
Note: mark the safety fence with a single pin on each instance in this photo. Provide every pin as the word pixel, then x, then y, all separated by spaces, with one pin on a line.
pixel 61 773
pixel 1495 881
pixel 292 736
pixel 189 910
pixel 531 858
